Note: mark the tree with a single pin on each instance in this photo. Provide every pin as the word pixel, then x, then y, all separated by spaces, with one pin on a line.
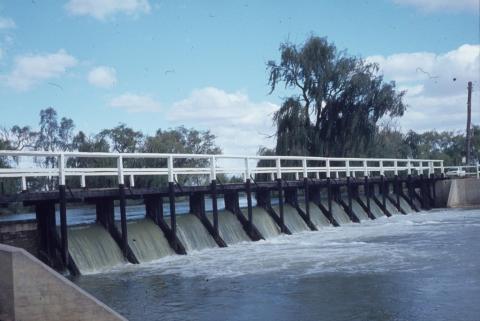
pixel 53 135
pixel 337 101
pixel 182 140
pixel 123 139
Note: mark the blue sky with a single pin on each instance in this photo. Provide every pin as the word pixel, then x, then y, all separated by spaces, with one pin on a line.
pixel 159 64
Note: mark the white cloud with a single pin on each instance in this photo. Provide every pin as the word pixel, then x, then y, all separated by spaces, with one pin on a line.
pixel 240 124
pixel 28 70
pixel 7 23
pixel 442 5
pixel 135 103
pixel 436 86
pixel 103 77
pixel 101 9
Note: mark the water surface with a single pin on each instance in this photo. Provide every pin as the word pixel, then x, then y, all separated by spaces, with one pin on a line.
pixel 421 266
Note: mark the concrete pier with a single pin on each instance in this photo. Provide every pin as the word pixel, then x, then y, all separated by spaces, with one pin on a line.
pixel 464 193
pixel 30 290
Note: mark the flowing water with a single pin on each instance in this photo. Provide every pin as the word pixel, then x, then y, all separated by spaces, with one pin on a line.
pixel 338 213
pixel 316 215
pixel 264 223
pixel 147 240
pixel 390 206
pixel 293 221
pixel 405 267
pixel 193 235
pixel 374 208
pixel 229 227
pixel 405 206
pixel 359 211
pixel 93 249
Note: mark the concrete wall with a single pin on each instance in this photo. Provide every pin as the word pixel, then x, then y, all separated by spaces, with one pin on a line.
pixel 30 290
pixel 22 234
pixel 464 193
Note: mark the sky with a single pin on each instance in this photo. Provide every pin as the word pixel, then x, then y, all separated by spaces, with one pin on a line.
pixel 161 64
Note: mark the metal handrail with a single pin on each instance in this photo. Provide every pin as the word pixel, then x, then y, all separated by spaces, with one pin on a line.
pixel 331 166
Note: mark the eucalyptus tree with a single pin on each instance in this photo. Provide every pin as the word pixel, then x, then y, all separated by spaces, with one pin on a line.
pixel 335 103
pixel 182 140
pixel 123 139
pixel 53 135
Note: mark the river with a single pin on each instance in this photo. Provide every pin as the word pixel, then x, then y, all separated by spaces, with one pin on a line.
pixel 422 266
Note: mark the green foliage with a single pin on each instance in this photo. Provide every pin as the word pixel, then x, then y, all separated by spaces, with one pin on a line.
pixel 123 139
pixel 337 103
pixel 182 140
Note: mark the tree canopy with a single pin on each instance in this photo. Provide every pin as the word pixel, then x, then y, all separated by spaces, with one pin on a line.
pixel 336 102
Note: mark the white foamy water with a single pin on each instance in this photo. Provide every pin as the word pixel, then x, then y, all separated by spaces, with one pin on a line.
pixel 372 246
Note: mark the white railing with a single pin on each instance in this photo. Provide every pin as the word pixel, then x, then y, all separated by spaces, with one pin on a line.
pixel 246 166
pixel 463 171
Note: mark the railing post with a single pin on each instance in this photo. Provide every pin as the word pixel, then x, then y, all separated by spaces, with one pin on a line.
pixel 279 168
pixel 82 181
pixel 395 165
pixel 347 165
pixel 365 168
pixel 247 169
pixel 478 170
pixel 409 168
pixel 213 169
pixel 327 164
pixel 24 184
pixel 304 167
pixel 170 169
pixel 442 169
pixel 132 180
pixel 63 209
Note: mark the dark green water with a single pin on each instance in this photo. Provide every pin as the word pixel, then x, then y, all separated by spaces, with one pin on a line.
pixel 423 266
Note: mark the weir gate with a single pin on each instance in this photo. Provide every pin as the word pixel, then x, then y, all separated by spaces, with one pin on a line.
pixel 265 196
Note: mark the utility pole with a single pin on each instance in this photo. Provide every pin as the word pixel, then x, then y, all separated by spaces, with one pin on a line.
pixel 469 120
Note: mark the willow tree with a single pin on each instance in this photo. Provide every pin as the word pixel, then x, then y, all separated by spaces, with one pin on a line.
pixel 336 100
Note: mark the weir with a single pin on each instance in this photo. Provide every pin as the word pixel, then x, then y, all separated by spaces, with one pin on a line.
pixel 230 228
pixel 295 194
pixel 93 249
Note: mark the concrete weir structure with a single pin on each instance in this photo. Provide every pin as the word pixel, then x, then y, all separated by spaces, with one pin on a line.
pixel 30 290
pixel 292 194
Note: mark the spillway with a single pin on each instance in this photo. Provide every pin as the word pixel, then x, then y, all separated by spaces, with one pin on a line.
pixel 293 221
pixel 193 235
pixel 229 227
pixel 390 206
pixel 374 208
pixel 264 223
pixel 338 212
pixel 405 206
pixel 358 210
pixel 93 249
pixel 316 215
pixel 147 240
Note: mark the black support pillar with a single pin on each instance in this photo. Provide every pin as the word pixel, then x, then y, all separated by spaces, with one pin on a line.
pixel 63 224
pixel 173 218
pixel 248 190
pixel 280 204
pixel 123 218
pixel 214 206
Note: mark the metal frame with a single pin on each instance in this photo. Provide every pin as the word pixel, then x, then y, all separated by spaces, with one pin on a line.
pixel 332 167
